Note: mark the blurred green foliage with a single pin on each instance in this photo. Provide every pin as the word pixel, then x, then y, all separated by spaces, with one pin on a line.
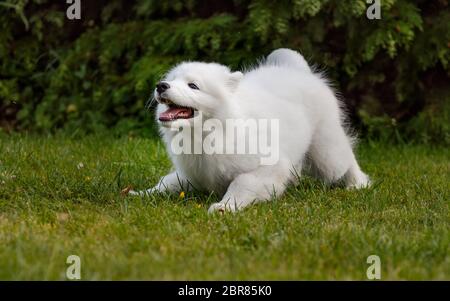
pixel 97 73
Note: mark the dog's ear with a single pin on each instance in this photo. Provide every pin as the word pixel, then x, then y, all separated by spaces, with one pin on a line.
pixel 234 79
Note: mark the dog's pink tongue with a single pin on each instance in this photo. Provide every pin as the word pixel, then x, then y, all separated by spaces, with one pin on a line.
pixel 173 113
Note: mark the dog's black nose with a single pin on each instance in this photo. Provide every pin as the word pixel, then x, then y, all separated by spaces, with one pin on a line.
pixel 161 87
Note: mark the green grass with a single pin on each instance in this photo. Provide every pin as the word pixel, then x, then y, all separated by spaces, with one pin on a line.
pixel 50 209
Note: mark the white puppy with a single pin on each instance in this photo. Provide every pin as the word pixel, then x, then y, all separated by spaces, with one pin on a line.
pixel 283 87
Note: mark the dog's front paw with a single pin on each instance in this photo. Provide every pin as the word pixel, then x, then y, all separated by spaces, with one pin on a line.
pixel 141 193
pixel 221 208
pixel 134 193
pixel 217 208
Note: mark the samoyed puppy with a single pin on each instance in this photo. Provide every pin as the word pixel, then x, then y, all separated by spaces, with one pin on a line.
pixel 311 131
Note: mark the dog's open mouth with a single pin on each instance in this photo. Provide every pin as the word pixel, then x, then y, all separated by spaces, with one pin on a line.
pixel 175 112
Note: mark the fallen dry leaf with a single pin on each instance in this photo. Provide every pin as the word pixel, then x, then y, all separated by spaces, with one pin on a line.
pixel 62 216
pixel 125 191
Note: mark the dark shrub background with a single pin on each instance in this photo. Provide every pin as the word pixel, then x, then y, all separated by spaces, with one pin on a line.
pixel 97 73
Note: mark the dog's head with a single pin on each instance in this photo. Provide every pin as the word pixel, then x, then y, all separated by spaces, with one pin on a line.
pixel 191 88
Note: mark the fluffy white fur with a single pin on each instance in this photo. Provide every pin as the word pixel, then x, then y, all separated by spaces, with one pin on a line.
pixel 282 87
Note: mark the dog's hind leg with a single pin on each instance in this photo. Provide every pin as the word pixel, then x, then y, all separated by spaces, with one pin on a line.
pixel 355 177
pixel 173 182
pixel 258 185
pixel 332 156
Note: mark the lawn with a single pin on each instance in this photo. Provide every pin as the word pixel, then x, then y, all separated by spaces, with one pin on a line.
pixel 61 196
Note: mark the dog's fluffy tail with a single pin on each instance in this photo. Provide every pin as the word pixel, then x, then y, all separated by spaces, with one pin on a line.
pixel 288 58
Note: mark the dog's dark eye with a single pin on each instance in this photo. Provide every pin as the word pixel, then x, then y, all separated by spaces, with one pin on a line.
pixel 193 86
